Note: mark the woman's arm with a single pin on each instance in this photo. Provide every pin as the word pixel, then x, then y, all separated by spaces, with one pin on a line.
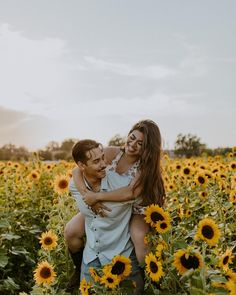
pixel 78 180
pixel 122 194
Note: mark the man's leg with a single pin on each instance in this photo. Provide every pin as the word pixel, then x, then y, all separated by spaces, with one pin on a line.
pixel 74 232
pixel 136 275
pixel 85 269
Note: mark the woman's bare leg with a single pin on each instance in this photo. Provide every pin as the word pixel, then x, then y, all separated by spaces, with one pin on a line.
pixel 74 233
pixel 138 229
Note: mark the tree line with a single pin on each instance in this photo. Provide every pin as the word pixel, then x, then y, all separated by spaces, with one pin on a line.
pixel 188 145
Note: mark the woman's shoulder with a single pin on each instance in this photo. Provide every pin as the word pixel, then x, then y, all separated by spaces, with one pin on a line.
pixel 111 152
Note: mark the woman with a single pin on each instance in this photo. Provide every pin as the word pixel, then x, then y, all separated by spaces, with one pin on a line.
pixel 140 161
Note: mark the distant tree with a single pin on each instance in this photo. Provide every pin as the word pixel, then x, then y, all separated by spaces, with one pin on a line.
pixel 117 140
pixel 52 146
pixel 11 152
pixel 188 145
pixel 68 144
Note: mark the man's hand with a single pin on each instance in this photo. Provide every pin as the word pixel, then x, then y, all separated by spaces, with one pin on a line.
pixel 99 209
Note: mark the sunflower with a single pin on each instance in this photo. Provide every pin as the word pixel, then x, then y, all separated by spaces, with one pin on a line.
pixel 183 260
pixel 109 280
pixel 186 171
pixel 94 274
pixel 84 287
pixel 34 175
pixel 48 240
pixel 203 194
pixel 201 179
pixel 231 286
pixel 232 196
pixel 208 231
pixel 159 249
pixel 44 273
pixel 226 259
pixel 163 226
pixel 188 213
pixel 230 275
pixel 153 267
pixel 154 213
pixel 61 184
pixel 121 266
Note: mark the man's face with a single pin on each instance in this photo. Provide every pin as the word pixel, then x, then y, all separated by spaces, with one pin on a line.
pixel 95 166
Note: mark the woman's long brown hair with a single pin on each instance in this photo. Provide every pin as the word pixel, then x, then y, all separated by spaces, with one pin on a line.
pixel 150 180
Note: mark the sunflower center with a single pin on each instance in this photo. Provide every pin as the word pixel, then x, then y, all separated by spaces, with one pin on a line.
pixel 34 175
pixel 233 166
pixel 201 179
pixel 191 262
pixel 63 184
pixel 45 272
pixel 207 231
pixel 155 216
pixel 153 267
pixel 48 241
pixel 118 268
pixel 110 280
pixel 186 171
pixel 163 225
pixel 226 259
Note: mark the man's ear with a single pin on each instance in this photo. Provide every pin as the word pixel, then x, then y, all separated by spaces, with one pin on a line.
pixel 81 165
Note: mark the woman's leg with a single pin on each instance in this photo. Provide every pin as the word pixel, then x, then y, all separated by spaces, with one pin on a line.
pixel 138 229
pixel 74 233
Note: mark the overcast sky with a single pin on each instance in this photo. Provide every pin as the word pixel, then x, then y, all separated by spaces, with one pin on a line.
pixel 91 69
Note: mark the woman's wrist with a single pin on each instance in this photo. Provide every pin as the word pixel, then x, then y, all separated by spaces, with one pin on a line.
pixel 98 197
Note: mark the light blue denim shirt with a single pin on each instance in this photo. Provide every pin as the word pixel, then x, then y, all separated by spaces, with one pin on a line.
pixel 106 236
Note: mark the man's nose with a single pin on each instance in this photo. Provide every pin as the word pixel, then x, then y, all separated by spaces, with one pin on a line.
pixel 103 164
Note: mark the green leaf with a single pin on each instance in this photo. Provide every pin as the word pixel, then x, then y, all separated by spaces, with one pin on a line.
pixel 10 237
pixel 18 251
pixel 4 223
pixel 9 284
pixel 3 258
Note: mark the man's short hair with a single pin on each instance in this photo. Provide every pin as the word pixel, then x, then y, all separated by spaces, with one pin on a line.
pixel 80 149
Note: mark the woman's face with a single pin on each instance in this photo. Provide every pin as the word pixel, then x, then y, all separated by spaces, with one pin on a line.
pixel 134 142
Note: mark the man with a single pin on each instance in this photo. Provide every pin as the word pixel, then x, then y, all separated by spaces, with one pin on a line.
pixel 106 236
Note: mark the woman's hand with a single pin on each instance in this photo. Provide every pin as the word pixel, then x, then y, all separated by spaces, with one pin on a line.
pixel 90 198
pixel 99 209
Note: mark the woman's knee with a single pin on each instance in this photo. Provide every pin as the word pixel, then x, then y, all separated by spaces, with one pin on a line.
pixel 74 228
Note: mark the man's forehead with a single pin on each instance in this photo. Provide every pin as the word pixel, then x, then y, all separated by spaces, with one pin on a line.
pixel 95 153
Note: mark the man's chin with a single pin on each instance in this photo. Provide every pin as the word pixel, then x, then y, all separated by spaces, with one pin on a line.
pixel 102 174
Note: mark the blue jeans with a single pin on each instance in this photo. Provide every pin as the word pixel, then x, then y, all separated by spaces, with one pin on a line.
pixel 134 276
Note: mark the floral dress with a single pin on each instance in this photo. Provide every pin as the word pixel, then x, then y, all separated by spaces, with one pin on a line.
pixel 131 172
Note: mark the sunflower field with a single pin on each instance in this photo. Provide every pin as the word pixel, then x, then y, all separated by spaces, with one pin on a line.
pixel 192 240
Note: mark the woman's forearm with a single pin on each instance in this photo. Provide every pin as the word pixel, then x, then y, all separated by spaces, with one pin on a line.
pixel 118 195
pixel 78 180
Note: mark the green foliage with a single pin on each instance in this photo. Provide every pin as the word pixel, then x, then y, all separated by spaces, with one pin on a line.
pixel 188 145
pixel 117 140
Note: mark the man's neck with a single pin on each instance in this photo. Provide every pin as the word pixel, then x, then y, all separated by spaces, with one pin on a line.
pixel 94 183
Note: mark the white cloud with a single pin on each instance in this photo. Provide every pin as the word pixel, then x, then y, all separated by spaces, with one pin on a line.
pixel 149 72
pixel 31 70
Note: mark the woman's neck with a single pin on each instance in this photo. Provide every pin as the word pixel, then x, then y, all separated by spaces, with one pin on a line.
pixel 130 159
